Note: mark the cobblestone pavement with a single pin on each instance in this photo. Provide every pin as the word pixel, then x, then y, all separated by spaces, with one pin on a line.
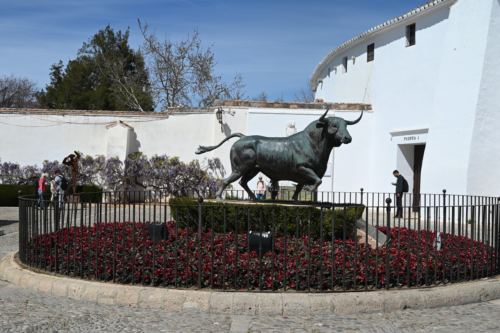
pixel 25 311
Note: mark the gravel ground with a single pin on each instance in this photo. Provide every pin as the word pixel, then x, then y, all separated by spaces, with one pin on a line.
pixel 25 311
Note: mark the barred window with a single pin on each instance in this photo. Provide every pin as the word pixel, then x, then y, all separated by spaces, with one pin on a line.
pixel 371 52
pixel 410 35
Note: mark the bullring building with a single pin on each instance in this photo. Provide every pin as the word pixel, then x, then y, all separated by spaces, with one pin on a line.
pixel 432 77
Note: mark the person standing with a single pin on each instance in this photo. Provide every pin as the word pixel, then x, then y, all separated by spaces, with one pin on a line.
pixel 274 187
pixel 61 185
pixel 260 191
pixel 41 189
pixel 401 188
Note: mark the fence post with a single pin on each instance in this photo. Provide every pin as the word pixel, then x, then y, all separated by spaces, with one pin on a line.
pixel 497 236
pixel 361 195
pixel 22 221
pixel 388 252
pixel 200 201
pixel 443 239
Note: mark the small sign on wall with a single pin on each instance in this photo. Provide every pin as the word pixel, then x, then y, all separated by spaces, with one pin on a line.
pixel 410 136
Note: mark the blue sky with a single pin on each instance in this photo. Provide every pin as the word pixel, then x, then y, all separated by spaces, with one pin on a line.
pixel 275 44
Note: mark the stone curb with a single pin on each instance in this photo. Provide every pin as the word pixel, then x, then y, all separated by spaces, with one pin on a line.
pixel 246 303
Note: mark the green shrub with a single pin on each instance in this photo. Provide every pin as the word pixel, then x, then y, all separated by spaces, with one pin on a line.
pixel 248 217
pixel 91 192
pixel 9 194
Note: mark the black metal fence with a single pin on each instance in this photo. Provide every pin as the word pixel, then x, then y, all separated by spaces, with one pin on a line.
pixel 352 242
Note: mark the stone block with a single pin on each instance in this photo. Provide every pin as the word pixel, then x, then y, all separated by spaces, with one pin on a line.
pixel 33 282
pixel 439 297
pixel 106 295
pixel 23 282
pixel 45 284
pixel 91 292
pixel 244 304
pixel 60 287
pixel 321 304
pixel 370 302
pixel 372 232
pixel 485 291
pixel 221 303
pixel 128 296
pixel 13 275
pixel 270 304
pixel 296 304
pixel 75 289
pixel 151 298
pixel 197 301
pixel 344 303
pixel 174 300
pixel 3 265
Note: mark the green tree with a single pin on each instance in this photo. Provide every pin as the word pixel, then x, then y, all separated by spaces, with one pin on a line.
pixel 106 75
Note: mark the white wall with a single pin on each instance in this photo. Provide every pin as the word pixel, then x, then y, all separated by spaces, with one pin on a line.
pixel 31 139
pixel 484 162
pixel 461 67
pixel 446 85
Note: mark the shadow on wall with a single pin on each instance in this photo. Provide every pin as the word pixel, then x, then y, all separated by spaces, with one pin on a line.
pixel 227 129
pixel 134 145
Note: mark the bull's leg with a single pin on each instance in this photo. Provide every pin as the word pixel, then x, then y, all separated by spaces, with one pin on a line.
pixel 298 188
pixel 246 178
pixel 232 178
pixel 310 177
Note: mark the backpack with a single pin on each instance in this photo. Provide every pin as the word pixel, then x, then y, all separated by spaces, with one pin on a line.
pixel 406 188
pixel 64 183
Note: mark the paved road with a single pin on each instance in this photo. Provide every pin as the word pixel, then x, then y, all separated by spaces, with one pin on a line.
pixel 25 311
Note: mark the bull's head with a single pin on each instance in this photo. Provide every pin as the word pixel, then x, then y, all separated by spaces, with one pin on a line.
pixel 337 128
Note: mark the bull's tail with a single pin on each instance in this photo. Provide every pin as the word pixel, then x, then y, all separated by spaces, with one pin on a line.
pixel 203 149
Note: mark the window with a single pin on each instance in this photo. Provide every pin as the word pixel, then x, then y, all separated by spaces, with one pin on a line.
pixel 370 52
pixel 410 35
pixel 344 65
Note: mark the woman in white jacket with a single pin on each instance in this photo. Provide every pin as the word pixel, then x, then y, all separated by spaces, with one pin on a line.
pixel 260 191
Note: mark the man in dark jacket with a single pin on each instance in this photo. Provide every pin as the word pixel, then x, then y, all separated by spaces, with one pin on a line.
pixel 399 192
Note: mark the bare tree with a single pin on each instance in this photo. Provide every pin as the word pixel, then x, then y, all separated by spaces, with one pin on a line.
pixel 305 94
pixel 17 92
pixel 183 72
pixel 262 97
pixel 127 85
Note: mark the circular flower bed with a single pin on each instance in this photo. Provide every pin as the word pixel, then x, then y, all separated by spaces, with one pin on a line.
pixel 124 253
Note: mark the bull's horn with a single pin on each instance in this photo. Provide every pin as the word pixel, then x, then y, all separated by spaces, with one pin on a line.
pixel 322 118
pixel 355 121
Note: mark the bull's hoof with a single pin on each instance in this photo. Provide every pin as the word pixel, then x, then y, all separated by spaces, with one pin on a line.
pixel 219 199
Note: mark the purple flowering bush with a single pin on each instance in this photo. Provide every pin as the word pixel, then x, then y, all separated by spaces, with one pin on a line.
pixel 174 177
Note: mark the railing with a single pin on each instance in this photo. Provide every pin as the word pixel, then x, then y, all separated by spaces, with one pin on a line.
pixel 353 242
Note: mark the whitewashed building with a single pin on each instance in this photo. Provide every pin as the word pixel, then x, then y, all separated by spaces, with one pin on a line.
pixel 432 77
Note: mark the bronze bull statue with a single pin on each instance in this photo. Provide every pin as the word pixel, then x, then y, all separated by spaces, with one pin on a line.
pixel 301 158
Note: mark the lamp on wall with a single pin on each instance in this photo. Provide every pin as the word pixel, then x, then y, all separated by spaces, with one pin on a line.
pixel 218 114
pixel 320 80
